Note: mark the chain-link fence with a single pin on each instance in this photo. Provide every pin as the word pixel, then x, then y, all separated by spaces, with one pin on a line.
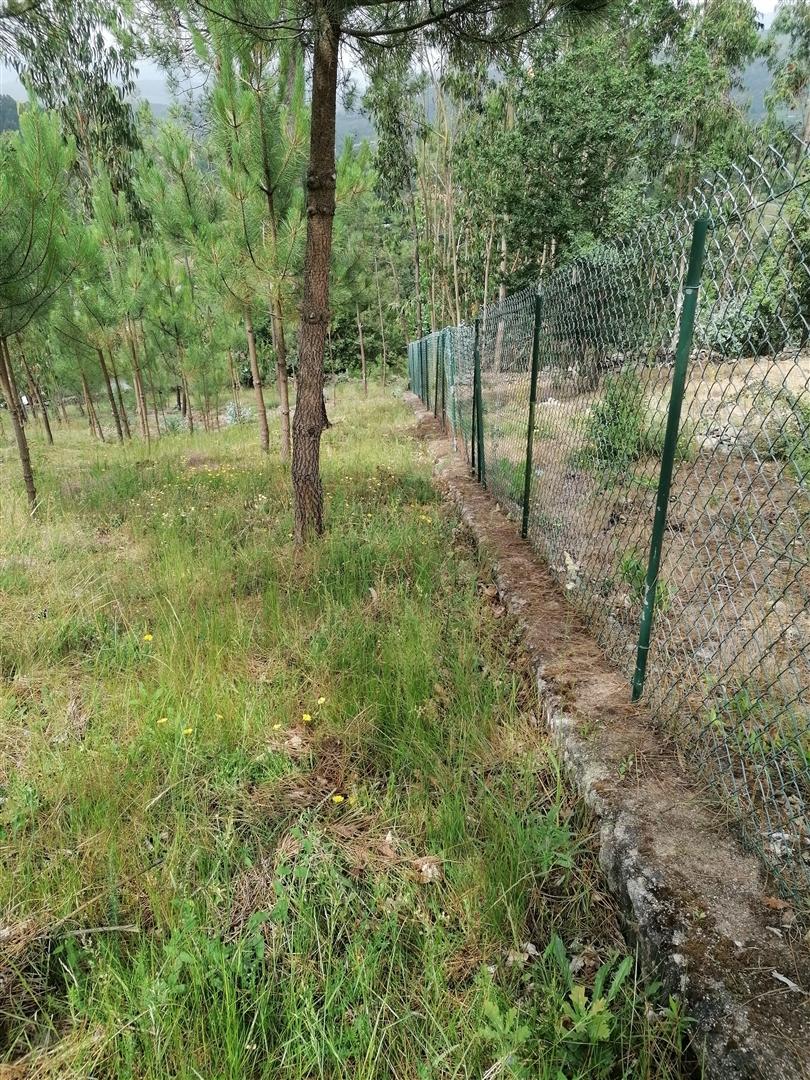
pixel 578 403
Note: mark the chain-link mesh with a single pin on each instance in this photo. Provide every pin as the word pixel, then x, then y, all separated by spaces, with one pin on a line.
pixel 729 662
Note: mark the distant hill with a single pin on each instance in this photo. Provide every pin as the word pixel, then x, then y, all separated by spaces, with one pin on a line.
pixel 8 113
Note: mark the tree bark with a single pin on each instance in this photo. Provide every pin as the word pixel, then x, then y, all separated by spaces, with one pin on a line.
pixel 282 381
pixel 36 394
pixel 310 411
pixel 276 310
pixel 9 393
pixel 234 387
pixel 140 399
pixel 92 415
pixel 110 396
pixel 382 321
pixel 264 431
pixel 189 415
pixel 122 412
pixel 499 334
pixel 362 352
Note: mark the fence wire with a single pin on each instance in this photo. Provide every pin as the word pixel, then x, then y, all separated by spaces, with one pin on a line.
pixel 729 662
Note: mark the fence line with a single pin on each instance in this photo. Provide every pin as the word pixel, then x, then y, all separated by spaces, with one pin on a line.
pixel 560 399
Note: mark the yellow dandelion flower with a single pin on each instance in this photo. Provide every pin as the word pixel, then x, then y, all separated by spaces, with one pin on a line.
pixel 307 718
pixel 163 720
pixel 187 730
pixel 147 637
pixel 276 727
pixel 337 798
pixel 321 700
pixel 352 800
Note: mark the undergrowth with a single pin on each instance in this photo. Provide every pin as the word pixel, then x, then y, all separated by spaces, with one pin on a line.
pixel 270 813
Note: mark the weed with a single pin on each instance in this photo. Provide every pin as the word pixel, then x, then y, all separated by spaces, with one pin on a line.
pixel 229 889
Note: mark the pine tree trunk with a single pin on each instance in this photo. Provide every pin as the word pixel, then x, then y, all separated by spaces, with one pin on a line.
pixel 154 403
pixel 382 321
pixel 9 393
pixel 362 352
pixel 140 400
pixel 310 412
pixel 235 387
pixel 189 415
pixel 37 395
pixel 110 396
pixel 276 311
pixel 282 382
pixel 264 431
pixel 92 415
pixel 122 412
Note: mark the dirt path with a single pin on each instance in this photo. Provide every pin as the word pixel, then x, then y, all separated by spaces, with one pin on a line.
pixel 699 906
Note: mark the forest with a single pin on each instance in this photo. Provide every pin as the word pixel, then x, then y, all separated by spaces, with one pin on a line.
pixel 274 801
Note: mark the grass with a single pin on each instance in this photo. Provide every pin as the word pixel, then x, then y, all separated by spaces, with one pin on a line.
pixel 281 814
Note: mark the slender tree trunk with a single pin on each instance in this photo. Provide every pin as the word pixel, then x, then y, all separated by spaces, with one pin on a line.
pixel 276 310
pixel 32 398
pixel 206 405
pixel 18 401
pixel 8 386
pixel 417 274
pixel 92 415
pixel 122 412
pixel 154 402
pixel 499 334
pixel 37 394
pixel 332 365
pixel 187 400
pixel 362 352
pixel 310 411
pixel 282 381
pixel 64 410
pixel 382 321
pixel 110 396
pixel 264 431
pixel 235 387
pixel 140 399
pixel 178 399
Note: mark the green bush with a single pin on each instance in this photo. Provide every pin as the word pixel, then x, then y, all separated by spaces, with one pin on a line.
pixel 619 429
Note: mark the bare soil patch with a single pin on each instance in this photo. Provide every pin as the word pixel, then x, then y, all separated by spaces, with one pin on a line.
pixel 696 903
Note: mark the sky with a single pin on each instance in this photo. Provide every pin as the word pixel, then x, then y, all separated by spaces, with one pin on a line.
pixel 151 81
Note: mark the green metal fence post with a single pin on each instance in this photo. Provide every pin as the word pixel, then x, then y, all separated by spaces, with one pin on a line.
pixel 453 406
pixel 442 341
pixel 436 340
pixel 527 479
pixel 685 333
pixel 426 381
pixel 479 404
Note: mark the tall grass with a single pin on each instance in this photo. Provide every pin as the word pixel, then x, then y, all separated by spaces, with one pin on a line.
pixel 270 813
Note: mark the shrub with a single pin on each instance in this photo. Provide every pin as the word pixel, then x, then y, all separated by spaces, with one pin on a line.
pixel 618 429
pixel 175 424
pixel 243 414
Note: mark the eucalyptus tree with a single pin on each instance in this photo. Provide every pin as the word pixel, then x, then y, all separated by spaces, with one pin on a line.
pixel 35 263
pixel 790 61
pixel 77 57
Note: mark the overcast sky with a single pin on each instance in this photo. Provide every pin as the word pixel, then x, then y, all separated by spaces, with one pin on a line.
pixel 151 82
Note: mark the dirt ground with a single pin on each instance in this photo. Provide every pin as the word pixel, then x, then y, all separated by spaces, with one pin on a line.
pixel 703 913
